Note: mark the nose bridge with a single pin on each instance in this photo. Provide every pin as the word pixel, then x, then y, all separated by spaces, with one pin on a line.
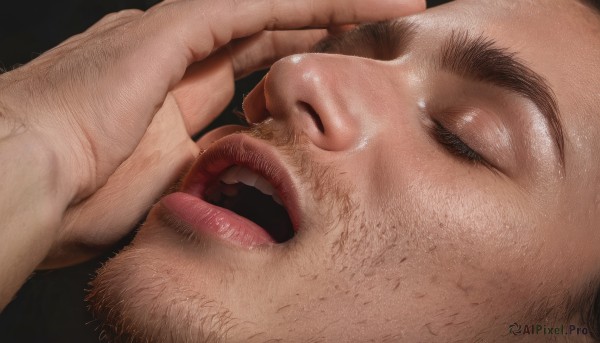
pixel 328 97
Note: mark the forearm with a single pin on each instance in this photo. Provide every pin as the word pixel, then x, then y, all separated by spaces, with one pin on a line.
pixel 32 200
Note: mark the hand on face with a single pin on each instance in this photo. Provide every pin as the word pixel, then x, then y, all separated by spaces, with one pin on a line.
pixel 166 148
pixel 403 235
pixel 100 99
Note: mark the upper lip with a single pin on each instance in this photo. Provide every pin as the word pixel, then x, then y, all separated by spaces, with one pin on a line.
pixel 242 150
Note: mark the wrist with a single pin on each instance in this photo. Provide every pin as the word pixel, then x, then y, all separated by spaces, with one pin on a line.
pixel 31 163
pixel 72 160
pixel 32 204
pixel 49 139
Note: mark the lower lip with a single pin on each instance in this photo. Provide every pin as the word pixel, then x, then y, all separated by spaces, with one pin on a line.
pixel 209 220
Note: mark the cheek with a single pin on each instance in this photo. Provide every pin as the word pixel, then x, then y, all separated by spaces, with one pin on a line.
pixel 462 235
pixel 462 216
pixel 438 200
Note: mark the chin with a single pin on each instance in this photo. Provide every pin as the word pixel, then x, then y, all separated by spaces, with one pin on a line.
pixel 236 255
pixel 262 244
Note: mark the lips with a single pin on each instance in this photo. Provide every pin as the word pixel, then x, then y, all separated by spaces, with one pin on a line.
pixel 234 152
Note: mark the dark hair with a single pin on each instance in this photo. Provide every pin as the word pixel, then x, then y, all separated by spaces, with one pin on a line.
pixel 586 308
pixel 592 318
pixel 595 4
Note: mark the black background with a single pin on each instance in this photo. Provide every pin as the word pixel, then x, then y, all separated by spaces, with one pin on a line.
pixel 50 306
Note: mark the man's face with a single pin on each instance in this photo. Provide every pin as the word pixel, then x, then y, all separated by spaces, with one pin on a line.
pixel 422 173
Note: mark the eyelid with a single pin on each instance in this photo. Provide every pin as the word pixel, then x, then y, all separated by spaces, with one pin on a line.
pixel 454 144
pixel 480 127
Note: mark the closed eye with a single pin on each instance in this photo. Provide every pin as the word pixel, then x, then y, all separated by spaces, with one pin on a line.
pixel 453 144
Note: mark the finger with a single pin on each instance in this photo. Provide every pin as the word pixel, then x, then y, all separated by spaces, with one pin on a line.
pixel 205 91
pixel 131 190
pixel 262 50
pixel 171 37
pixel 208 87
pixel 339 29
pixel 162 4
pixel 203 26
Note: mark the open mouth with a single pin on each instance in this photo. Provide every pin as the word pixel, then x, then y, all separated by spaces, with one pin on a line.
pixel 251 196
pixel 239 190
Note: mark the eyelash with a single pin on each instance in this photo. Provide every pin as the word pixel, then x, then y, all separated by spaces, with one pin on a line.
pixel 454 144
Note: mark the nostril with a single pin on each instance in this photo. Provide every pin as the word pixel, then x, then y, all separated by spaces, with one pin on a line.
pixel 245 119
pixel 307 108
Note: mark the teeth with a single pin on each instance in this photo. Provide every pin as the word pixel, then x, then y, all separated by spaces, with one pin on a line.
pixel 244 175
pixel 264 186
pixel 247 177
pixel 230 176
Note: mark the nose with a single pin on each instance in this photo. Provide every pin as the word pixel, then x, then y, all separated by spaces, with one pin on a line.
pixel 320 95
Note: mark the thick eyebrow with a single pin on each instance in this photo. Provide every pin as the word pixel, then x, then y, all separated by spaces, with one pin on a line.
pixel 482 60
pixel 479 59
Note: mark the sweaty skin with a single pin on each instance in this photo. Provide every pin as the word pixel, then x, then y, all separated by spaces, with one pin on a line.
pixel 93 131
pixel 402 236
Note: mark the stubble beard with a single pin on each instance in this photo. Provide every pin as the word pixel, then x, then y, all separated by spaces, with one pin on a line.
pixel 127 308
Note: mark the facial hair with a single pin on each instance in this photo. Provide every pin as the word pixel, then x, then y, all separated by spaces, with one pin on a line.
pixel 331 205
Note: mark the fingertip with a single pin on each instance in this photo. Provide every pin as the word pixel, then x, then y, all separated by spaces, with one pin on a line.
pixel 255 105
pixel 339 29
pixel 412 6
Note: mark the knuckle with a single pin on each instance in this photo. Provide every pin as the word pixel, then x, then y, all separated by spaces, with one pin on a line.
pixel 109 17
pixel 130 12
pixel 122 14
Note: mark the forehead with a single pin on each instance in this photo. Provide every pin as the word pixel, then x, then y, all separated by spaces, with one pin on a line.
pixel 558 39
